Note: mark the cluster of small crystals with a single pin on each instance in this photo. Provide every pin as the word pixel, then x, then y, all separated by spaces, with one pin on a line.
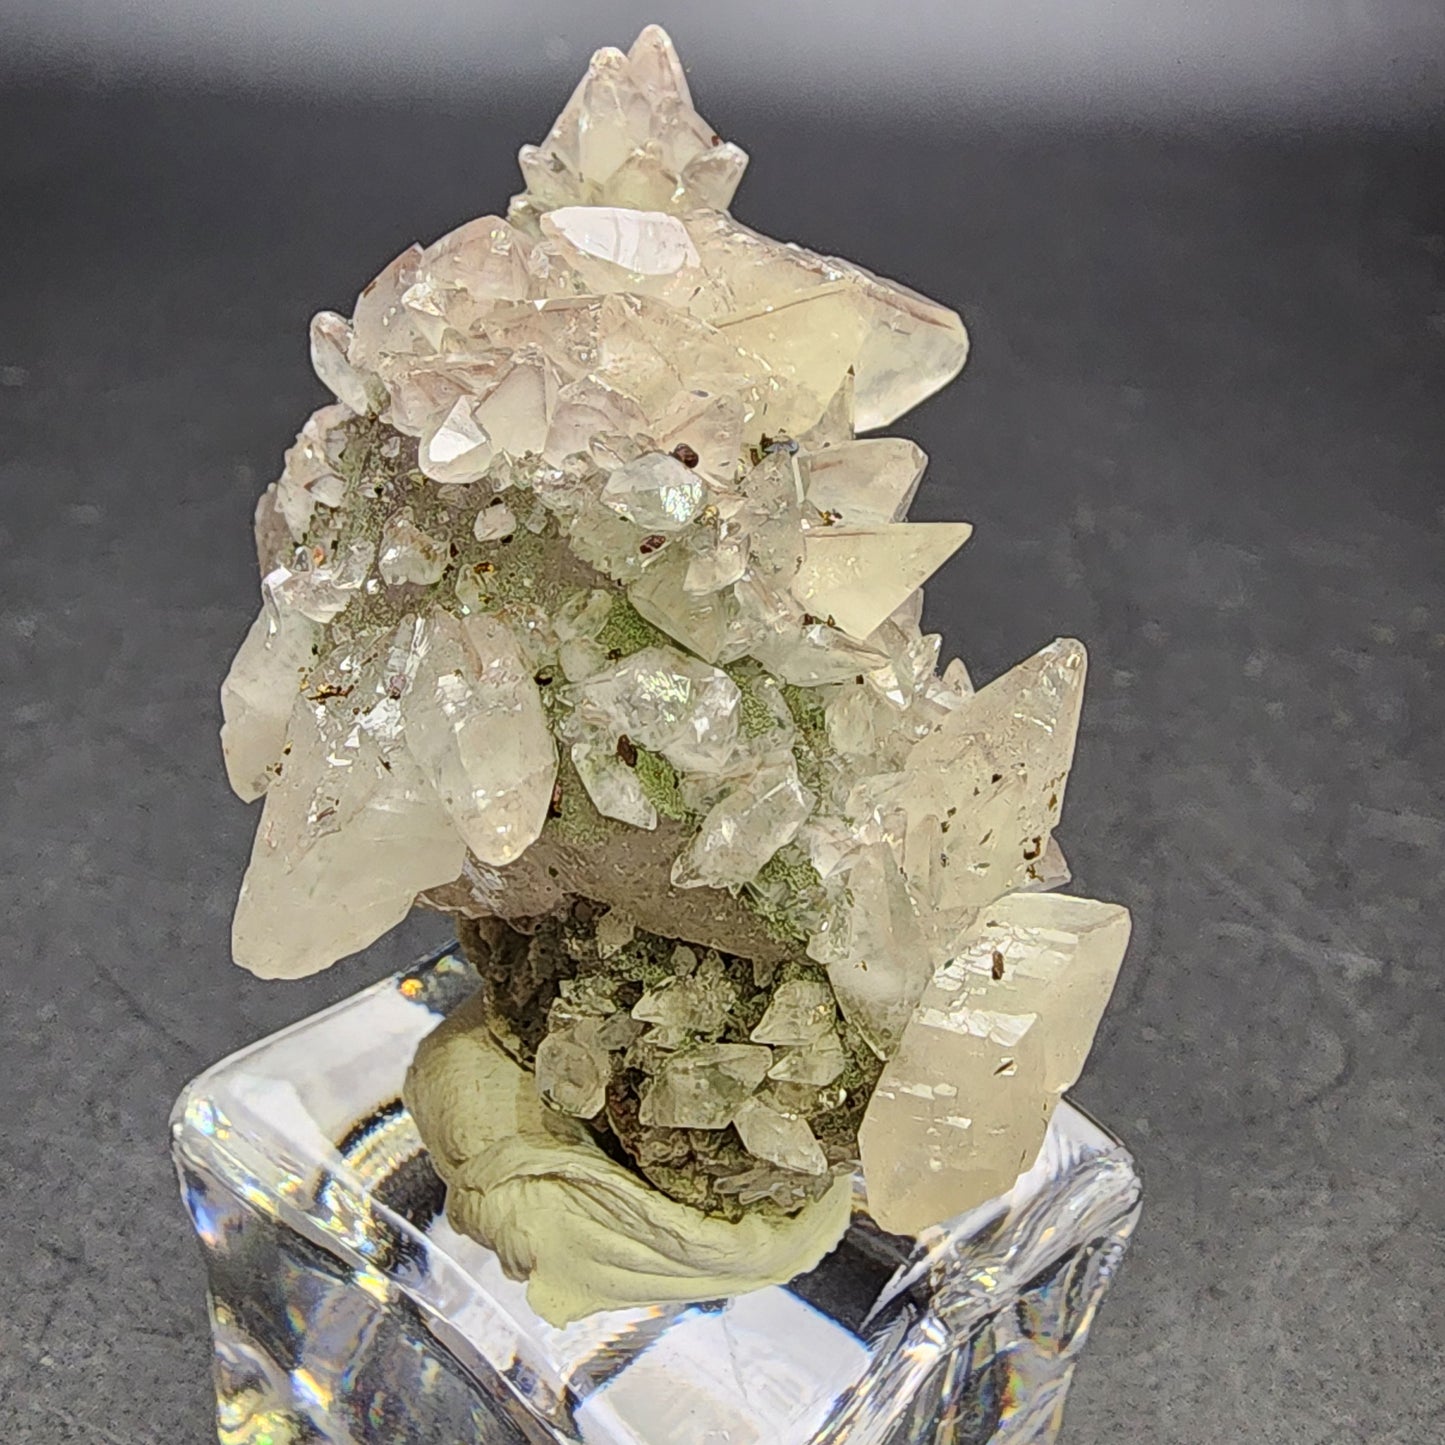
pixel 587 587
pixel 661 1046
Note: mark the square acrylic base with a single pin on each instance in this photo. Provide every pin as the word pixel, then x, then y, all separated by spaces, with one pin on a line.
pixel 345 1310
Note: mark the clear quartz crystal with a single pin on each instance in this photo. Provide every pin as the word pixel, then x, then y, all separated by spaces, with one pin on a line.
pixel 330 341
pixel 259 693
pixel 457 448
pixel 801 1011
pixel 696 1003
pixel 614 787
pixel 573 1069
pixel 409 554
pixel 866 482
pixel 779 1138
pixel 494 521
pixel 859 576
pixel 346 1311
pixel 656 491
pixel 352 832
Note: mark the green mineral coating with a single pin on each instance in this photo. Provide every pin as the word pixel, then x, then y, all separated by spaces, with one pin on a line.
pixel 756 716
pixel 806 706
pixel 627 631
pixel 777 919
pixel 790 869
pixel 812 751
pixel 800 970
pixel 646 960
pixel 658 781
pixel 575 818
pixel 862 1069
pixel 527 568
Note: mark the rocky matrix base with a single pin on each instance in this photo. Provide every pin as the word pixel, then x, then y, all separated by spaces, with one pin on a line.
pixel 345 1309
pixel 600 1016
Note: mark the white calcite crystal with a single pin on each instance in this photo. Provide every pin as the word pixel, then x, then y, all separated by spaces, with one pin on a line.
pixel 998 1035
pixel 588 615
pixel 743 830
pixel 474 721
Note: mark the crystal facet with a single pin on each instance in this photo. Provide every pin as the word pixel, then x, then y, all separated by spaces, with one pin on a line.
pixel 1000 1032
pixel 860 577
pixel 475 723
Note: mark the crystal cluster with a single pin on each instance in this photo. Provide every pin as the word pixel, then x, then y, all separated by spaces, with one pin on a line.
pixel 588 615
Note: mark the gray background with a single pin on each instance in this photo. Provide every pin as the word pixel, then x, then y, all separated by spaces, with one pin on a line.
pixel 1201 250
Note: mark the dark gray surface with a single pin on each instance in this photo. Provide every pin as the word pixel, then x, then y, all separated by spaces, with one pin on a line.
pixel 1203 430
pixel 1257 58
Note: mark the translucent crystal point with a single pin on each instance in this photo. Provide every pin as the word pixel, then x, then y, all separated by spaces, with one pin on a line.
pixel 801 1011
pixel 816 319
pixel 457 449
pixel 815 1064
pixel 516 409
pixel 331 338
pixel 877 957
pixel 614 787
pixel 745 828
pixel 259 694
pixel 1000 1032
pixel 697 1003
pixel 779 1138
pixel 865 483
pixel 495 521
pixel 995 770
pixel 381 324
pixel 572 1070
pixel 475 724
pixel 648 253
pixel 351 833
pixel 311 475
pixel 656 491
pixel 859 576
pixel 320 587
pixel 408 554
pixel 629 136
pixel 465 273
pixel 705 622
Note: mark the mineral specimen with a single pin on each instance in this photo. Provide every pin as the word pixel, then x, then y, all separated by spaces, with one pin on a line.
pixel 588 617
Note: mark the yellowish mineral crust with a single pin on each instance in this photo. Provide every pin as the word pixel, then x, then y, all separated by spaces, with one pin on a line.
pixel 588 616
